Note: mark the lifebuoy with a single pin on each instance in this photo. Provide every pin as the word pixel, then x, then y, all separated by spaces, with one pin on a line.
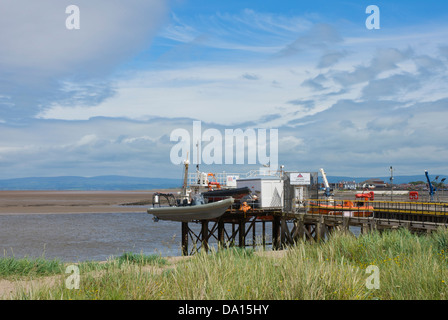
pixel 413 195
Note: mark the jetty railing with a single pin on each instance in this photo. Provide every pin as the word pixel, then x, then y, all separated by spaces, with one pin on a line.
pixel 402 210
pixel 198 178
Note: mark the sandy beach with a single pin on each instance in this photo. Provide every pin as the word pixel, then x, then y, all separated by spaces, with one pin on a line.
pixel 59 202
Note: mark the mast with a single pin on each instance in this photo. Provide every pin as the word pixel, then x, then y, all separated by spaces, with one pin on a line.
pixel 184 186
pixel 391 182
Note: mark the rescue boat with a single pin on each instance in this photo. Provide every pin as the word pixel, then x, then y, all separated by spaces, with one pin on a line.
pixel 358 208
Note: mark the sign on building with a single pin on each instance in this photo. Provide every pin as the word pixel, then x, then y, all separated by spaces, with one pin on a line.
pixel 231 181
pixel 300 178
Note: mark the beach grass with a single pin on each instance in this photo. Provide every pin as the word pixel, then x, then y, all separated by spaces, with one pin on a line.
pixel 408 266
pixel 141 259
pixel 26 268
pixel 11 267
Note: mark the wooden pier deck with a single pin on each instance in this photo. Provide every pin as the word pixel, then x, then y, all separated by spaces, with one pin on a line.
pixel 278 229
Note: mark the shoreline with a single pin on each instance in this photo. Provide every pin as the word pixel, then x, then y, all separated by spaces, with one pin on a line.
pixel 67 201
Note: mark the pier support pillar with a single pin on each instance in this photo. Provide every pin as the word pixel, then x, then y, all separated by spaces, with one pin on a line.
pixel 320 229
pixel 263 226
pixel 373 225
pixel 300 228
pixel 242 233
pixel 286 237
pixel 365 228
pixel 254 235
pixel 276 237
pixel 185 238
pixel 345 224
pixel 220 233
pixel 204 232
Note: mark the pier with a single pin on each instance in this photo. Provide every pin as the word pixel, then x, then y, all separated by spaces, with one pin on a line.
pixel 278 229
pixel 233 229
pixel 298 212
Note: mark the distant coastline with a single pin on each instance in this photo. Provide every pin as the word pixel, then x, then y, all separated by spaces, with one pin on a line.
pixel 116 182
pixel 98 183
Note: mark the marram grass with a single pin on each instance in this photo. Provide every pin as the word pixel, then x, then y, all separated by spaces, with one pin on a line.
pixel 11 267
pixel 409 267
pixel 24 268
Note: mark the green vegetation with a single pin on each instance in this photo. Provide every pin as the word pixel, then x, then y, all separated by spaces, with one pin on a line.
pixel 140 259
pixel 410 266
pixel 27 268
pixel 16 268
pixel 415 183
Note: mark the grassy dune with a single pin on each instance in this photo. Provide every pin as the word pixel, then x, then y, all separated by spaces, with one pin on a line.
pixel 409 267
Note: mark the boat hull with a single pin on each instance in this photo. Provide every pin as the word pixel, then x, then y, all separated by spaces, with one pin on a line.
pixel 217 195
pixel 190 213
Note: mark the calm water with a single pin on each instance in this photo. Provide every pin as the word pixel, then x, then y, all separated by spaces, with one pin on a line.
pixel 94 236
pixel 81 237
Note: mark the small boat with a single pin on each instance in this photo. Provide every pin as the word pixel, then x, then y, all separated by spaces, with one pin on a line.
pixel 216 195
pixel 195 211
pixel 345 208
pixel 365 196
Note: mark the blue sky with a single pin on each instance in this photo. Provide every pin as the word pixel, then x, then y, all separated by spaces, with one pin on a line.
pixel 104 99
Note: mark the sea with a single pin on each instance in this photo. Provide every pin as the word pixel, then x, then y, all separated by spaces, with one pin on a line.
pixel 87 236
pixel 77 237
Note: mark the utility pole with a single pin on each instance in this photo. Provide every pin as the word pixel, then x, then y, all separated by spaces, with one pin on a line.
pixel 443 186
pixel 391 183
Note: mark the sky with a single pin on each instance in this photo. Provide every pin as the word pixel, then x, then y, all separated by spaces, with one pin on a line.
pixel 104 99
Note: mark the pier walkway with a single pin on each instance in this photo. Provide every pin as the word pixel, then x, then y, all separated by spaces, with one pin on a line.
pixel 276 228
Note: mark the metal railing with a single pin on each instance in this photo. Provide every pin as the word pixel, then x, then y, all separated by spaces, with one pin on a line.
pixel 194 178
pixel 375 208
pixel 414 207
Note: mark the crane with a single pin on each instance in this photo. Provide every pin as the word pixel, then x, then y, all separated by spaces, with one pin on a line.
pixel 328 194
pixel 432 190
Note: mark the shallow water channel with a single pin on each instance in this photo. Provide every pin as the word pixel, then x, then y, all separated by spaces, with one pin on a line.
pixel 81 237
pixel 98 236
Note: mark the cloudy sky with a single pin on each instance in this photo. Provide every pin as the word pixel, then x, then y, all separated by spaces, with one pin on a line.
pixel 103 99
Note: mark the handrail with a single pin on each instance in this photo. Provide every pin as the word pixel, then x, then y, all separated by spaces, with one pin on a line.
pixel 221 177
pixel 443 204
pixel 401 207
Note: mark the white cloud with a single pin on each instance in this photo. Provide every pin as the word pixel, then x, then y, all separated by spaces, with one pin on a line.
pixel 320 37
pixel 86 140
pixel 38 40
pixel 247 30
pixel 88 148
pixel 38 52
pixel 353 106
pixel 216 93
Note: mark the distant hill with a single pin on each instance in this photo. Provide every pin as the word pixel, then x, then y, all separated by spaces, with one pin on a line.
pixel 91 183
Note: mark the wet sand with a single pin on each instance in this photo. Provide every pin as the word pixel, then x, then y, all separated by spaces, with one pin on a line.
pixel 52 202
